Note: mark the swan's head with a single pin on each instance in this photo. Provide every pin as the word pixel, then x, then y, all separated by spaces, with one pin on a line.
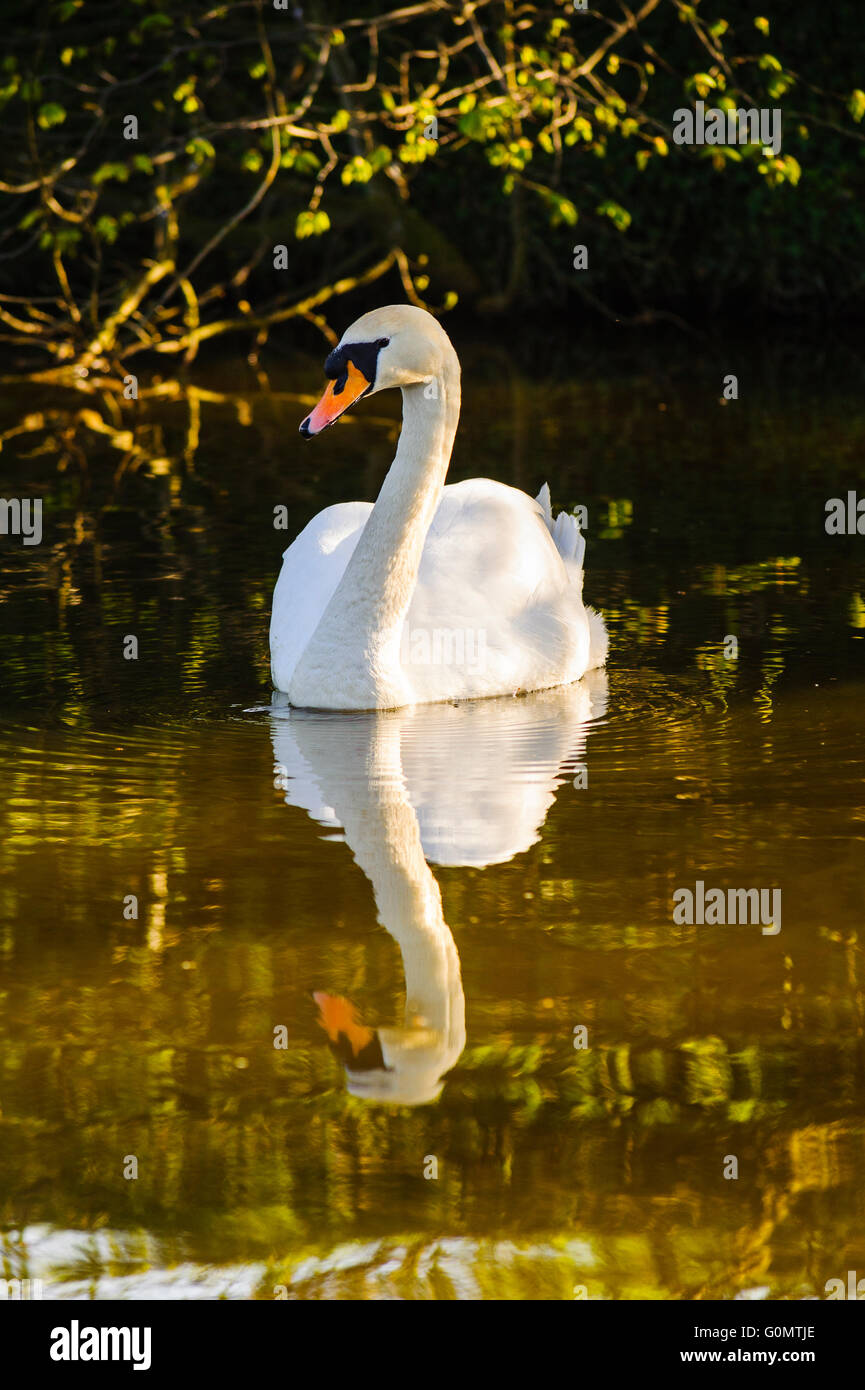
pixel 399 345
pixel 395 1066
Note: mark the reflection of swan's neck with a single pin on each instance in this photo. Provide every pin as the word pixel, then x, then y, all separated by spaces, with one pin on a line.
pixel 383 833
pixel 364 618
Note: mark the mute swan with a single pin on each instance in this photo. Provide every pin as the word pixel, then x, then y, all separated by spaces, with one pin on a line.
pixel 435 593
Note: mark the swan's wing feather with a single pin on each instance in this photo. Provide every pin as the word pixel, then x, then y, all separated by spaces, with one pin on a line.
pixel 544 502
pixel 312 566
pixel 492 578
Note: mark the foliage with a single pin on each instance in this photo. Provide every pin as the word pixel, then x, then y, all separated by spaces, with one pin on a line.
pixel 461 147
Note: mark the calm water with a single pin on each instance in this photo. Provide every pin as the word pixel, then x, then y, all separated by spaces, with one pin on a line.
pixel 477 880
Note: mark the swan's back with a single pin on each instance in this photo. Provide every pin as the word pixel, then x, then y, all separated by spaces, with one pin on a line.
pixel 504 602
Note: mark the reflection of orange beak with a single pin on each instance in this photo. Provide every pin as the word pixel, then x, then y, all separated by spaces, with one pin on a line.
pixel 339 1016
pixel 334 402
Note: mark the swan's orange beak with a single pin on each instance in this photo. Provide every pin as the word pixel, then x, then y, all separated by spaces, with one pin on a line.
pixel 340 394
pixel 340 1018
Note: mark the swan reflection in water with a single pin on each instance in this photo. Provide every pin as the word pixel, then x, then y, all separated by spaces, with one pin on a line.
pixel 465 785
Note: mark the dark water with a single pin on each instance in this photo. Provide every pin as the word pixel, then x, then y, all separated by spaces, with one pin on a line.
pixel 273 855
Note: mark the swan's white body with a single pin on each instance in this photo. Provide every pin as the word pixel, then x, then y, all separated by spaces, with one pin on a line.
pixel 435 593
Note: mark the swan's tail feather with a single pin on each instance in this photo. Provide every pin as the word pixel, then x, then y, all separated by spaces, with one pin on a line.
pixel 565 530
pixel 569 539
pixel 546 506
pixel 571 545
pixel 599 640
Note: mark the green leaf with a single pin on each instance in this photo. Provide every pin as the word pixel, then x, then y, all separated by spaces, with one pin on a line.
pixel 311 224
pixel 777 86
pixel 619 216
pixel 106 229
pixel 471 123
pixel 702 82
pixel 199 149
pixel 305 162
pixel 50 114
pixel 114 170
pixel 155 21
pixel 565 212
pixel 560 209
pixel 383 155
pixel 357 170
pixel 64 239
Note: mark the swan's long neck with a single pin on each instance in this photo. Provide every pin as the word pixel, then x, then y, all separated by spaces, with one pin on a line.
pixel 352 659
pixel 382 830
pixel 410 907
pixel 365 785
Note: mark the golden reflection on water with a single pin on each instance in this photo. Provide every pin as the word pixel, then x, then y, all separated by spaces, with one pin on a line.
pixel 557 1167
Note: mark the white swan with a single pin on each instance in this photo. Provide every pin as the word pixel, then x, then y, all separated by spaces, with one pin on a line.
pixel 435 593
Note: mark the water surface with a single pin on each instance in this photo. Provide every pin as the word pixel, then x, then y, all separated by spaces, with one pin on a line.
pixel 511 864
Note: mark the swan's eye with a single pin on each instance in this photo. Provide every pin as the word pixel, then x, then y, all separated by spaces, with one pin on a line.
pixel 363 356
